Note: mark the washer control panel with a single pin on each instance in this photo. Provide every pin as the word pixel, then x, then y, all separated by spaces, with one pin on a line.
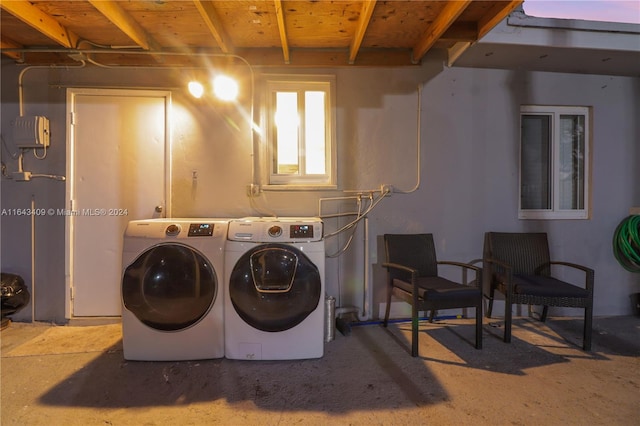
pixel 201 229
pixel 265 230
pixel 304 231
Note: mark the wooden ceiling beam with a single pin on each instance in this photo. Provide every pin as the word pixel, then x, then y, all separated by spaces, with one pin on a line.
pixel 445 19
pixel 494 15
pixel 6 43
pixel 363 23
pixel 125 22
pixel 283 32
pixel 461 31
pixel 40 21
pixel 485 24
pixel 214 24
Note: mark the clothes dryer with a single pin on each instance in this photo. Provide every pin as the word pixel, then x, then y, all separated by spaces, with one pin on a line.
pixel 274 300
pixel 172 292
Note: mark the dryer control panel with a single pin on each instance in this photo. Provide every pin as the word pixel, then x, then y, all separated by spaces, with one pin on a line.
pixel 267 230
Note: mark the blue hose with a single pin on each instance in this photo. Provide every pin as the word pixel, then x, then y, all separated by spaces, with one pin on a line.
pixel 392 321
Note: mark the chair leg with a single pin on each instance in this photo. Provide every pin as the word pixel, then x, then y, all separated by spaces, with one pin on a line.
pixel 388 308
pixel 588 326
pixel 507 319
pixel 479 326
pixel 414 330
pixel 490 306
pixel 545 311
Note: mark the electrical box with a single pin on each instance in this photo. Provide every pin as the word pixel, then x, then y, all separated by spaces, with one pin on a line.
pixel 31 132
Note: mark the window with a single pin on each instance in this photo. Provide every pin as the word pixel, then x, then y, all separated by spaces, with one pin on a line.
pixel 554 162
pixel 299 132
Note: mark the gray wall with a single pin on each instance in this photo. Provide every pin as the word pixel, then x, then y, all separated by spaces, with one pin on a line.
pixel 469 174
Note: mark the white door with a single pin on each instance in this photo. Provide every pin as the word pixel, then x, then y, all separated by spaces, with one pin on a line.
pixel 118 170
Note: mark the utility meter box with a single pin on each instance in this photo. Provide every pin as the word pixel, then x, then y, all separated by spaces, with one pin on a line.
pixel 31 132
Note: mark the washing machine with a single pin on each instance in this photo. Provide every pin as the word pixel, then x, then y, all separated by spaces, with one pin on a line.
pixel 274 299
pixel 172 289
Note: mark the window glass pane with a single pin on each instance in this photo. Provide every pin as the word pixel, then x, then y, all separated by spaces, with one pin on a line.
pixel 287 122
pixel 535 192
pixel 315 161
pixel 571 156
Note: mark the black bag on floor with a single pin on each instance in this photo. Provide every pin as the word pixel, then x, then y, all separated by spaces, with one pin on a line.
pixel 13 294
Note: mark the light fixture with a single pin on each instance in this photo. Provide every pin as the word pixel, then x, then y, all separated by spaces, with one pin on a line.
pixel 196 89
pixel 225 88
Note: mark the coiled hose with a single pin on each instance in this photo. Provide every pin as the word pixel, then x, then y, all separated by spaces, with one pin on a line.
pixel 626 243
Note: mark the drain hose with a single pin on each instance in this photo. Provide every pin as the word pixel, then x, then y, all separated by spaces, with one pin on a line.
pixel 626 243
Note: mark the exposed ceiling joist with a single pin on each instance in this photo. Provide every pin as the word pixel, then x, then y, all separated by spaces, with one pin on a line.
pixel 494 15
pixel 282 31
pixel 40 21
pixel 461 31
pixel 497 13
pixel 439 26
pixel 213 23
pixel 6 43
pixel 121 19
pixel 363 23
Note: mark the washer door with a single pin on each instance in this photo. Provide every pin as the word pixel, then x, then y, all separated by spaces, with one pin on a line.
pixel 274 287
pixel 169 287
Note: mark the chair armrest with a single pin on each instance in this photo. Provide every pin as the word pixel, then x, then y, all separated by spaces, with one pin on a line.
pixel 412 271
pixel 465 269
pixel 460 264
pixel 508 271
pixel 400 267
pixel 500 263
pixel 474 261
pixel 589 273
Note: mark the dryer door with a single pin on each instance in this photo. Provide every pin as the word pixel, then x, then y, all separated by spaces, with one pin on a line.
pixel 274 287
pixel 169 287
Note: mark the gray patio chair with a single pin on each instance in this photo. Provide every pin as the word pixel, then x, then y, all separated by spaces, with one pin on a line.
pixel 518 266
pixel 412 276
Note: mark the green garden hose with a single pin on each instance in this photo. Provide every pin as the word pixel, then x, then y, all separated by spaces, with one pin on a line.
pixel 626 243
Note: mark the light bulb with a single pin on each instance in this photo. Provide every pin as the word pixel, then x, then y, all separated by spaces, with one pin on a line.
pixel 196 89
pixel 225 88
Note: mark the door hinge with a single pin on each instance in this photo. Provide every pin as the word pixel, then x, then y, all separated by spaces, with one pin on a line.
pixel 71 293
pixel 72 118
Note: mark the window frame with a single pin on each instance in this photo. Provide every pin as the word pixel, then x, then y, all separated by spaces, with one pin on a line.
pixel 272 180
pixel 555 212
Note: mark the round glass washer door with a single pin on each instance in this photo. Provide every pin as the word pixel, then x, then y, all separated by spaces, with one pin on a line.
pixel 169 287
pixel 274 287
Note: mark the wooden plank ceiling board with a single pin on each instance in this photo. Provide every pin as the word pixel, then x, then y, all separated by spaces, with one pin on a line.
pixel 264 32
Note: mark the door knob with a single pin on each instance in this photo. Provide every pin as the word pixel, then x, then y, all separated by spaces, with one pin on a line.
pixel 159 209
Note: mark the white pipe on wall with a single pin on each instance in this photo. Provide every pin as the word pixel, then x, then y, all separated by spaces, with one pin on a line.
pixel 33 258
pixel 366 290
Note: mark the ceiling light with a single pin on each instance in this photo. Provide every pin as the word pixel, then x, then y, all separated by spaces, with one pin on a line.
pixel 225 88
pixel 196 89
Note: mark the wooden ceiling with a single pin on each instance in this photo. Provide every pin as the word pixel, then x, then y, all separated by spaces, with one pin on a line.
pixel 264 33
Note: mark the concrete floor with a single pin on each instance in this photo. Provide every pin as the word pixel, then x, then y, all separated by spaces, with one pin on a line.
pixel 70 375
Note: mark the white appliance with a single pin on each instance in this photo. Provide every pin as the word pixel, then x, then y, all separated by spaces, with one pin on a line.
pixel 172 289
pixel 274 300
